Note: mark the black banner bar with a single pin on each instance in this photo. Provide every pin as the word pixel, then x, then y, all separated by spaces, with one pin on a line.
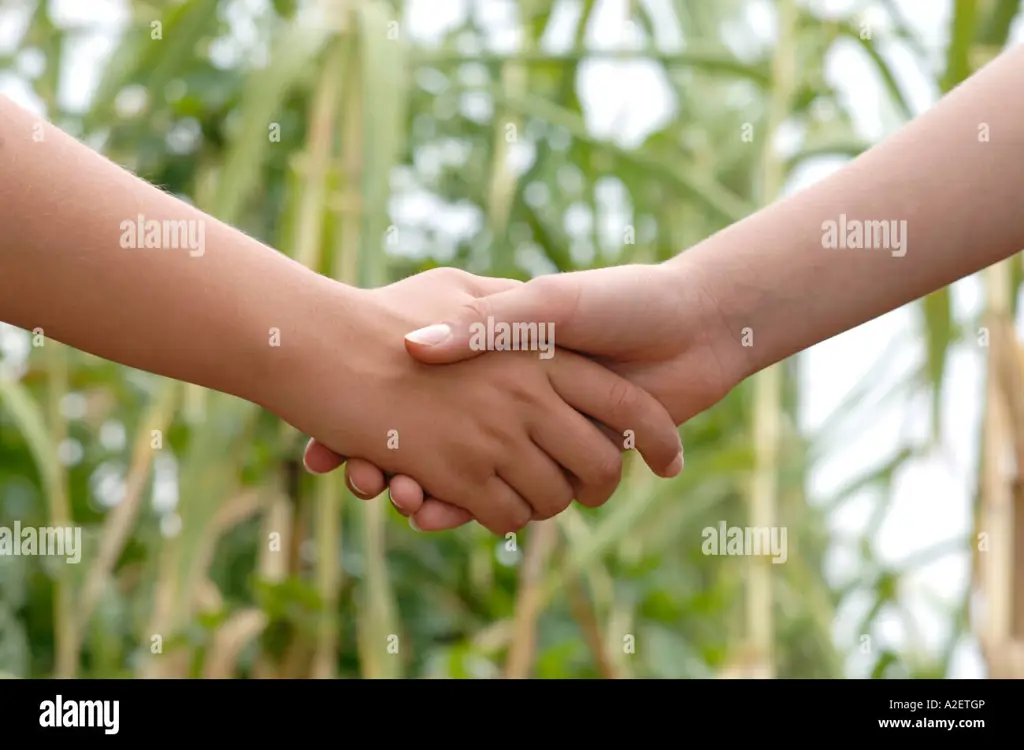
pixel 270 710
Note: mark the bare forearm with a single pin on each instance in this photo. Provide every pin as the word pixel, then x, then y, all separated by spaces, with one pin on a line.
pixel 951 181
pixel 73 264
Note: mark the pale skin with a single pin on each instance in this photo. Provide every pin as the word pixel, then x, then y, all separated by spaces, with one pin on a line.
pixel 678 329
pixel 503 438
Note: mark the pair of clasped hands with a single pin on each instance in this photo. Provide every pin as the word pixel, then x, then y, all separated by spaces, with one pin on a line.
pixel 637 355
pixel 503 437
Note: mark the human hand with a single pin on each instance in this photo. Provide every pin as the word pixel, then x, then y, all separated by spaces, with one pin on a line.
pixel 520 417
pixel 653 324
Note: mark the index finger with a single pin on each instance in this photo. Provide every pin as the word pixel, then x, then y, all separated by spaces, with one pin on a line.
pixel 634 414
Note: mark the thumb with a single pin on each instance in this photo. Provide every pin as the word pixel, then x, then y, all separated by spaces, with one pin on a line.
pixel 474 329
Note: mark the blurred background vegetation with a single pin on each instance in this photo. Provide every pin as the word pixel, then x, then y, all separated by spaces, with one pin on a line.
pixel 334 133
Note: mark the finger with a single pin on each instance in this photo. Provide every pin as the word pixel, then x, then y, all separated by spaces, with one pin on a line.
pixel 435 515
pixel 576 443
pixel 319 459
pixel 541 481
pixel 549 301
pixel 504 510
pixel 409 499
pixel 405 495
pixel 364 479
pixel 638 417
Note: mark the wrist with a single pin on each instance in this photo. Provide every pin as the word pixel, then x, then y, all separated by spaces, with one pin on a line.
pixel 724 323
pixel 298 333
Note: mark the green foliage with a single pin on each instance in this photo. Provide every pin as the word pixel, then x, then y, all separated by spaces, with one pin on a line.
pixel 453 601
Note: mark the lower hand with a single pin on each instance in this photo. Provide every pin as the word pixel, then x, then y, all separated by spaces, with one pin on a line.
pixel 595 468
pixel 655 325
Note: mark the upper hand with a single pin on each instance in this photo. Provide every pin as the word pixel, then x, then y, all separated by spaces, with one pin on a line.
pixel 654 325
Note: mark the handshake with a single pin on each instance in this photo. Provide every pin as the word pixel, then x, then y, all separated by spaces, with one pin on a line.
pixel 462 422
pixel 457 429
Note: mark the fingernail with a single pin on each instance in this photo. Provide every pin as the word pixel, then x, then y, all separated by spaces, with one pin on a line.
pixel 412 523
pixel 431 335
pixel 354 487
pixel 311 471
pixel 392 500
pixel 676 467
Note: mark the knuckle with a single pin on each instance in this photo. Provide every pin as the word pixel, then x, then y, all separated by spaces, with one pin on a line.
pixel 558 296
pixel 607 469
pixel 450 275
pixel 478 471
pixel 548 286
pixel 476 308
pixel 520 385
pixel 518 518
pixel 501 440
pixel 624 396
pixel 555 500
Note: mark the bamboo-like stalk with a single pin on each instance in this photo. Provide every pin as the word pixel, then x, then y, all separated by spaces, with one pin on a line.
pixel 328 572
pixel 161 612
pixel 119 521
pixel 317 158
pixel 1009 356
pixel 238 509
pixel 585 614
pixel 587 611
pixel 768 384
pixel 271 563
pixel 621 623
pixel 64 616
pixel 640 484
pixel 312 214
pixel 514 80
pixel 230 639
pixel 243 627
pixel 529 603
pixel 370 636
pixel 995 560
pixel 1017 585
